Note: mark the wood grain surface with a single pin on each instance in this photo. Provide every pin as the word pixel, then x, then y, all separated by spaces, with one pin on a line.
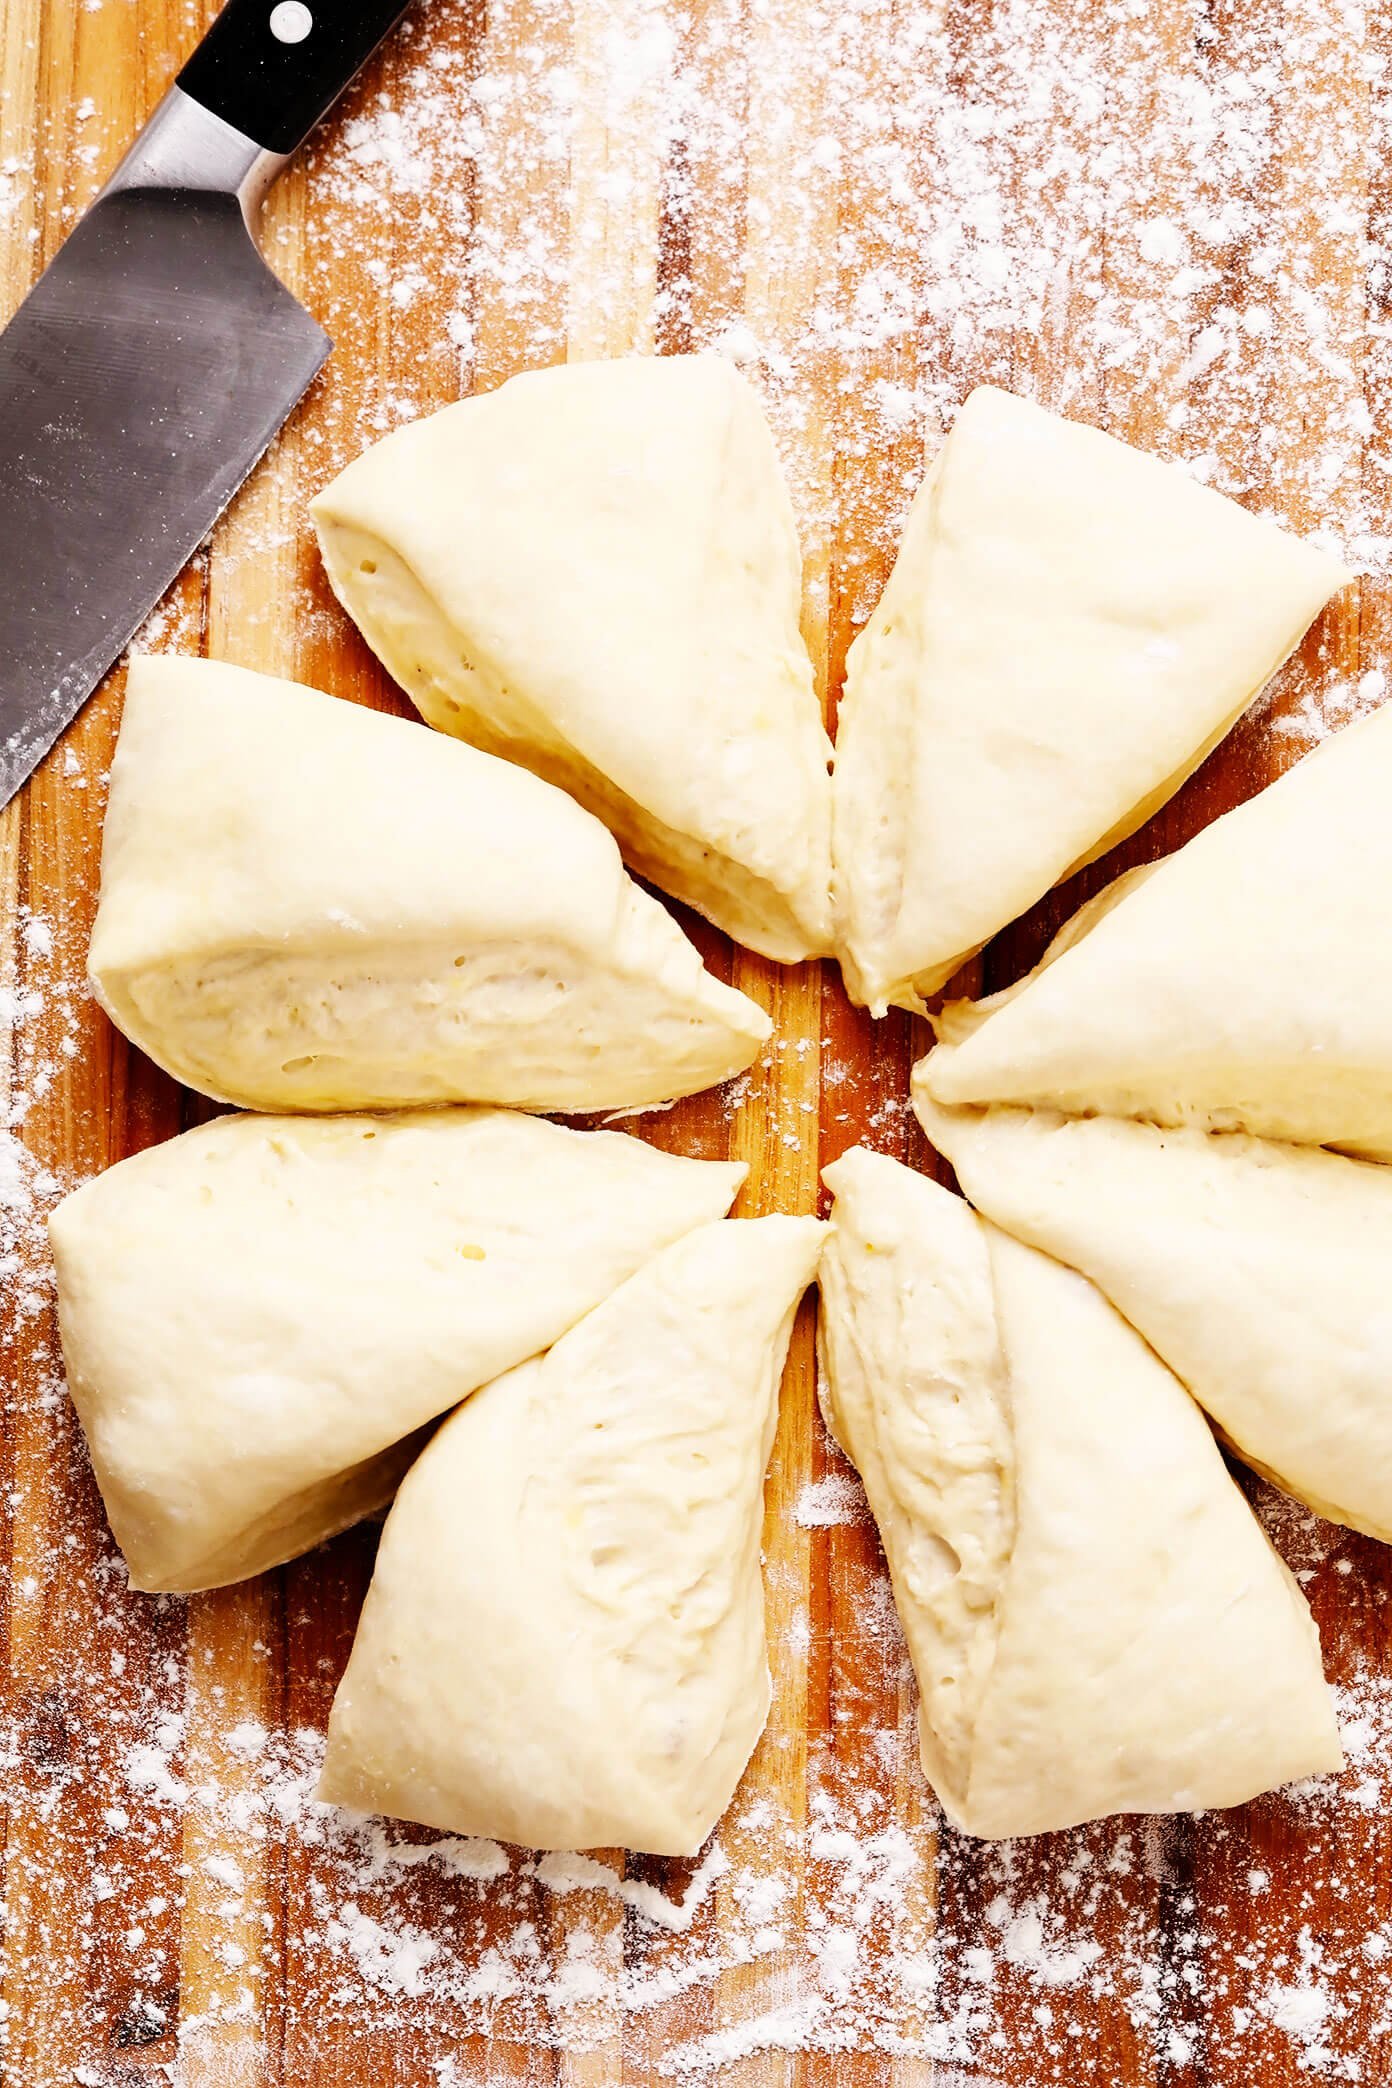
pixel 1163 217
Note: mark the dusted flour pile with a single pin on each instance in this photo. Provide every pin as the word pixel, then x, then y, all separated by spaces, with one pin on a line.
pixel 1170 218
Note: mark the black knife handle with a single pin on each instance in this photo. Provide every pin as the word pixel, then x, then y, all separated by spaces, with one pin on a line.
pixel 271 68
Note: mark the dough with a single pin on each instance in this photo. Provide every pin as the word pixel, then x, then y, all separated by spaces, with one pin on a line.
pixel 1228 987
pixel 563 1643
pixel 255 1315
pixel 1097 1622
pixel 306 905
pixel 594 571
pixel 1069 629
pixel 1258 1271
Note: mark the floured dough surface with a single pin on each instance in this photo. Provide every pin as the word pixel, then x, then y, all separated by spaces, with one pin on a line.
pixel 1258 1271
pixel 1228 987
pixel 563 1644
pixel 1097 1621
pixel 257 1314
pixel 1069 628
pixel 307 905
pixel 594 571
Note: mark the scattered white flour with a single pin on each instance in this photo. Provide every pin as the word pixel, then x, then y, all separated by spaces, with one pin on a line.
pixel 39 1005
pixel 871 208
pixel 824 1502
pixel 854 1923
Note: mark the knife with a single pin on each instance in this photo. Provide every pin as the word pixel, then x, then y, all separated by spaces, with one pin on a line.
pixel 156 357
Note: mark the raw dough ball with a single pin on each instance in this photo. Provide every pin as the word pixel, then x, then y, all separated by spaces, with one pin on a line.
pixel 255 1315
pixel 307 905
pixel 1069 629
pixel 563 1644
pixel 1097 1622
pixel 1230 986
pixel 594 571
pixel 1258 1271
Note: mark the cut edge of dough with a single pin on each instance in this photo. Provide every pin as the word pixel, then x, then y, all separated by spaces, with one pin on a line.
pixel 312 1516
pixel 384 1001
pixel 954 1022
pixel 459 692
pixel 878 991
pixel 959 1019
pixel 353 1774
pixel 1146 807
pixel 945 1733
pixel 866 983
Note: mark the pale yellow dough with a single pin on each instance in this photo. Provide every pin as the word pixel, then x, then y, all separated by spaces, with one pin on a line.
pixel 306 905
pixel 594 570
pixel 1069 628
pixel 258 1317
pixel 563 1643
pixel 1234 986
pixel 1097 1622
pixel 1258 1271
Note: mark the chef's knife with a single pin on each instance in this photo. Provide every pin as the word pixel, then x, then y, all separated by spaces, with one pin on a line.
pixel 155 358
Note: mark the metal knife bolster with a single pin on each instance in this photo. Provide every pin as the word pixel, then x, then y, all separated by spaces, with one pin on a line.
pixel 185 146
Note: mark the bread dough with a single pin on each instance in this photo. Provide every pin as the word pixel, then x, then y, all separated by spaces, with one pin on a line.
pixel 594 571
pixel 1069 629
pixel 307 905
pixel 1097 1622
pixel 1227 987
pixel 255 1315
pixel 563 1643
pixel 1257 1271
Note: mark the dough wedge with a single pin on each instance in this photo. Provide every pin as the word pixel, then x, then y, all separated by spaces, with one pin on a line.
pixel 563 1643
pixel 594 571
pixel 1097 1621
pixel 1069 629
pixel 307 905
pixel 1258 1271
pixel 1228 987
pixel 259 1317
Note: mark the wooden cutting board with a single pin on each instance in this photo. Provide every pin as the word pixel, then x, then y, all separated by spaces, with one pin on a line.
pixel 1165 218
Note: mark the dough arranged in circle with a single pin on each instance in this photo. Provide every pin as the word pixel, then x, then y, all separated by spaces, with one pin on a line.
pixel 590 581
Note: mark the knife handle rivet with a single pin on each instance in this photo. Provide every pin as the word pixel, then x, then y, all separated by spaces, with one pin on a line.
pixel 291 21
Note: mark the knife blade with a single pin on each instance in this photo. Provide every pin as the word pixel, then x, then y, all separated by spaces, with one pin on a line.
pixel 155 359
